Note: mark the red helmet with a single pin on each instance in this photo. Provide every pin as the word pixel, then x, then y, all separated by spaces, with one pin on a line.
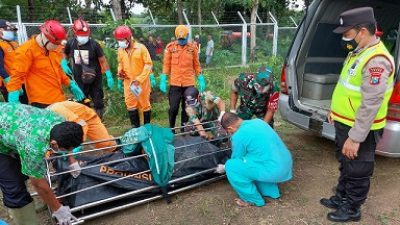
pixel 53 31
pixel 81 27
pixel 122 32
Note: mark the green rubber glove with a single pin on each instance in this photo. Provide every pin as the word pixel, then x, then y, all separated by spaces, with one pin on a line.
pixel 119 86
pixel 7 79
pixel 202 82
pixel 163 83
pixel 110 81
pixel 13 97
pixel 65 67
pixel 76 91
pixel 153 81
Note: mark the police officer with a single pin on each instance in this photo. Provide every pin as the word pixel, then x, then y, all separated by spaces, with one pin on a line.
pixel 358 110
pixel 258 95
pixel 181 62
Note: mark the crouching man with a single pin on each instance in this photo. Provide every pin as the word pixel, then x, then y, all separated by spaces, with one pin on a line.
pixel 259 161
pixel 26 134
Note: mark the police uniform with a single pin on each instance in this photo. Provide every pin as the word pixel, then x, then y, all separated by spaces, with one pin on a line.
pixel 182 64
pixel 359 107
pixel 253 103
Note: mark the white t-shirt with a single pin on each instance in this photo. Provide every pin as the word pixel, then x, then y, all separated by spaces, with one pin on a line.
pixel 210 47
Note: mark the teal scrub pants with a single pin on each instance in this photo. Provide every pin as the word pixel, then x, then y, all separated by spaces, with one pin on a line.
pixel 253 181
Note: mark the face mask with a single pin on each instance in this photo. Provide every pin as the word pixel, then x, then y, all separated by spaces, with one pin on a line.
pixel 123 44
pixel 8 35
pixel 82 39
pixel 349 44
pixel 47 44
pixel 182 41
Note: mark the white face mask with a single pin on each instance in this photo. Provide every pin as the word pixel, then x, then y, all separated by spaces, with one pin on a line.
pixel 123 44
pixel 8 35
pixel 82 39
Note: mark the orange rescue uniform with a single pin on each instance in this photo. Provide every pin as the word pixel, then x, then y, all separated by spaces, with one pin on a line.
pixel 135 63
pixel 41 73
pixel 91 124
pixel 181 63
pixel 8 48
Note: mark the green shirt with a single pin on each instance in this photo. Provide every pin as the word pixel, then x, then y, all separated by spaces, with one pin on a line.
pixel 25 130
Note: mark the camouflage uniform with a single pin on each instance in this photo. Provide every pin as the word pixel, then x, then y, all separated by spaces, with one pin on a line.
pixel 253 102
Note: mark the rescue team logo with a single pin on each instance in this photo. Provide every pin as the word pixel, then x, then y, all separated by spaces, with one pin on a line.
pixel 375 75
pixel 110 171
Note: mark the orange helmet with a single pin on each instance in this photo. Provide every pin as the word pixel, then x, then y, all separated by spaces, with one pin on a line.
pixel 81 27
pixel 123 32
pixel 53 31
pixel 181 31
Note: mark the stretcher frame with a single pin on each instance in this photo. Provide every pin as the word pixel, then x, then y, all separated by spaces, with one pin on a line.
pixel 112 209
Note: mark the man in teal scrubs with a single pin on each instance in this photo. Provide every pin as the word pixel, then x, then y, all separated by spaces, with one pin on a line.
pixel 259 161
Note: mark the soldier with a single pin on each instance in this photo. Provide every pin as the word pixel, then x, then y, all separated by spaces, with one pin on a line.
pixel 258 95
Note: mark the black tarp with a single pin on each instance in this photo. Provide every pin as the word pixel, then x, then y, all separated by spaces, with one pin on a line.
pixel 105 173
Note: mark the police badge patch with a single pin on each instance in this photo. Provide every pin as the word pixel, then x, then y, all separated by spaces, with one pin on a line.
pixel 375 75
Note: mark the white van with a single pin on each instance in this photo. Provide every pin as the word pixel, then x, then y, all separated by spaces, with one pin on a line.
pixel 313 65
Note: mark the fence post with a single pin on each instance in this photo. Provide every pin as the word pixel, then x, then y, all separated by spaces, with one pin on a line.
pixel 244 40
pixel 293 21
pixel 112 15
pixel 275 41
pixel 69 15
pixel 152 18
pixel 188 23
pixel 215 18
pixel 22 37
pixel 258 17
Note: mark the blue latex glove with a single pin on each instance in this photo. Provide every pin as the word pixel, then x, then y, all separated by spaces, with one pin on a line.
pixel 119 86
pixel 153 81
pixel 7 79
pixel 76 91
pixel 202 82
pixel 163 83
pixel 21 92
pixel 77 149
pixel 65 67
pixel 110 81
pixel 13 97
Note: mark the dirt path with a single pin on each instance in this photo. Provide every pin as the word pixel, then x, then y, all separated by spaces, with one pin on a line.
pixel 315 172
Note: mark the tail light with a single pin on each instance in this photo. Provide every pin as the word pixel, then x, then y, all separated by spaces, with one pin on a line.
pixel 284 88
pixel 394 104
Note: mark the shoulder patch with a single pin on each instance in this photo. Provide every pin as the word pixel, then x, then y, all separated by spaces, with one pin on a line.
pixel 375 75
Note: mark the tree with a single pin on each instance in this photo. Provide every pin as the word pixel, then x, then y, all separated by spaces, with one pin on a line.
pixel 116 7
pixel 179 7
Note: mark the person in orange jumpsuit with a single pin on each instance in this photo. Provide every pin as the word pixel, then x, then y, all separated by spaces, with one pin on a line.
pixel 134 69
pixel 7 55
pixel 91 123
pixel 181 63
pixel 37 64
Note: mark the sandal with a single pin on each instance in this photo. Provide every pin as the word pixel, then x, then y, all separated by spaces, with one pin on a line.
pixel 239 202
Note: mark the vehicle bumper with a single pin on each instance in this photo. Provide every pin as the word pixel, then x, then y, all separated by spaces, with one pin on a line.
pixel 389 143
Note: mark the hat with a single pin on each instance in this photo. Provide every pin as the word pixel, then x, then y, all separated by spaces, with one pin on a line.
pixel 354 17
pixel 7 25
pixel 190 95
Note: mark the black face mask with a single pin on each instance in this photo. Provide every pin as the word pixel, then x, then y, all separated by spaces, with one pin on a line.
pixel 349 45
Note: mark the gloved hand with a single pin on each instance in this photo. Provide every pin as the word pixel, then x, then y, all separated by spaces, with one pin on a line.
pixel 13 97
pixel 77 149
pixel 65 67
pixel 64 216
pixel 76 91
pixel 21 92
pixel 220 169
pixel 153 81
pixel 202 83
pixel 77 167
pixel 7 79
pixel 163 83
pixel 221 114
pixel 119 86
pixel 110 80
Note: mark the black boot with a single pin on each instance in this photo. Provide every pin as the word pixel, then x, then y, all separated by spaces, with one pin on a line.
pixel 146 117
pixel 134 118
pixel 333 202
pixel 345 213
pixel 100 112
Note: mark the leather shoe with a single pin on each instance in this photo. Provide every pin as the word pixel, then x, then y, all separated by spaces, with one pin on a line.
pixel 345 213
pixel 333 202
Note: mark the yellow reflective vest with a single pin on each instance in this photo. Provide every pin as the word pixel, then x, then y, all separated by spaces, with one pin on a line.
pixel 347 95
